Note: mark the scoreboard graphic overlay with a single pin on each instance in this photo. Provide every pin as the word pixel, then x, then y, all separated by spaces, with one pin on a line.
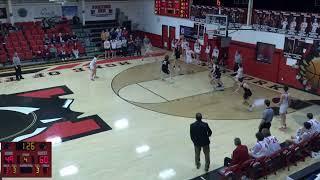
pixel 174 8
pixel 26 159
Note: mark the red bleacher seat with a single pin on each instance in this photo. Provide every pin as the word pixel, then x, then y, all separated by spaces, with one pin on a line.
pixel 28 55
pixel 3 58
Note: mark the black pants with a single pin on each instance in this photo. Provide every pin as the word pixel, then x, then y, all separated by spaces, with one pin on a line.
pixel 227 161
pixel 138 51
pixel 18 72
pixel 264 125
pixel 235 67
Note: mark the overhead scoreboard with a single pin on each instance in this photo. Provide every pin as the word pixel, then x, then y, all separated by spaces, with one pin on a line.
pixel 174 8
pixel 26 159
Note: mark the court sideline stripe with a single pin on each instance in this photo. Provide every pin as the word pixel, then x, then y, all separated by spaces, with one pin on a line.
pixel 152 92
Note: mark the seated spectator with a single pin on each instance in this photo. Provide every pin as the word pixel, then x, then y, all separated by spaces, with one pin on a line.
pixel 45 53
pixel 62 53
pixel 53 51
pixel 66 37
pixel 60 38
pixel 315 124
pixel 239 155
pixel 272 141
pixel 75 51
pixel 54 39
pixel 74 37
pixel 46 39
pixel 260 149
pixel 303 134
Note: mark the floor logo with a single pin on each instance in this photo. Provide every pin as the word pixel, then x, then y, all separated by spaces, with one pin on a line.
pixel 41 115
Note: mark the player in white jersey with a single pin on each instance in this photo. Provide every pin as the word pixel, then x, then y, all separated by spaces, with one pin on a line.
pixel 260 149
pixel 188 57
pixel 284 105
pixel 303 134
pixel 173 46
pixel 315 124
pixel 113 48
pixel 184 45
pixel 293 24
pixel 272 141
pixel 304 25
pixel 119 46
pixel 197 50
pixel 315 26
pixel 107 48
pixel 93 68
pixel 284 24
pixel 239 73
pixel 208 49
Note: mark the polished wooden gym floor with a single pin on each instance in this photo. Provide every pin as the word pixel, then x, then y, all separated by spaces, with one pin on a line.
pixel 129 124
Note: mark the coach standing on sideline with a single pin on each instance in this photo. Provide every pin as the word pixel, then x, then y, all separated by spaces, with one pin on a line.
pixel 17 66
pixel 200 133
pixel 267 116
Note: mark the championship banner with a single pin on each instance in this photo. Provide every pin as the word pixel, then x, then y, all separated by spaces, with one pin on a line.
pixel 69 11
pixel 99 12
pixel 3 13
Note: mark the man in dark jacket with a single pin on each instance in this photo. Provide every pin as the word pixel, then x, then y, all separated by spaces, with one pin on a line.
pixel 200 133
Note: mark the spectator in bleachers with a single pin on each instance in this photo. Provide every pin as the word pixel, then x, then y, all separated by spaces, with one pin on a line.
pixel 130 46
pixel 272 141
pixel 107 34
pixel 75 52
pixel 45 53
pixel 239 155
pixel 260 149
pixel 74 37
pixel 54 39
pixel 60 38
pixel 267 116
pixel 17 66
pixel 304 133
pixel 124 46
pixel 62 53
pixel 46 39
pixel 138 45
pixel 315 124
pixel 66 37
pixel 103 36
pixel 53 51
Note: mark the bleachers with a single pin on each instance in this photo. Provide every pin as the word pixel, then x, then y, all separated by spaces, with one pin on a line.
pixel 262 167
pixel 29 40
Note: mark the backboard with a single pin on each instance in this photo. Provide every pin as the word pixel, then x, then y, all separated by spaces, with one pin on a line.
pixel 216 25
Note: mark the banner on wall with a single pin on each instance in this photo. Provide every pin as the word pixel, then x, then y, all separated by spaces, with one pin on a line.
pixel 3 13
pixel 30 13
pixel 99 12
pixel 69 11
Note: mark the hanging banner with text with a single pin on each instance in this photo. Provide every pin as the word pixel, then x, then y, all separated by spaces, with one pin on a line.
pixel 96 12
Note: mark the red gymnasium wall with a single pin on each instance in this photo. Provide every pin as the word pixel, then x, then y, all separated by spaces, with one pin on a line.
pixel 277 71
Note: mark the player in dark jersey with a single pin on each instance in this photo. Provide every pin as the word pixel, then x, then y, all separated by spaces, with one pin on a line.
pixel 247 93
pixel 177 53
pixel 165 68
pixel 215 73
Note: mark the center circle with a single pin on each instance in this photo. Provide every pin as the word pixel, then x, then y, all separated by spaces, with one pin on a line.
pixel 14 123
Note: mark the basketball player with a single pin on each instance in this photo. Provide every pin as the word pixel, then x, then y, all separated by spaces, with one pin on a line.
pixel 147 46
pixel 208 49
pixel 293 24
pixel 239 74
pixel 188 56
pixel 165 68
pixel 173 47
pixel 304 25
pixel 107 48
pixel 216 77
pixel 185 45
pixel 247 93
pixel 215 54
pixel 284 104
pixel 197 50
pixel 284 24
pixel 315 26
pixel 271 141
pixel 93 68
pixel 177 53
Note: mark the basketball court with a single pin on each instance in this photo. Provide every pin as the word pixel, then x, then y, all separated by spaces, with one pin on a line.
pixel 128 124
